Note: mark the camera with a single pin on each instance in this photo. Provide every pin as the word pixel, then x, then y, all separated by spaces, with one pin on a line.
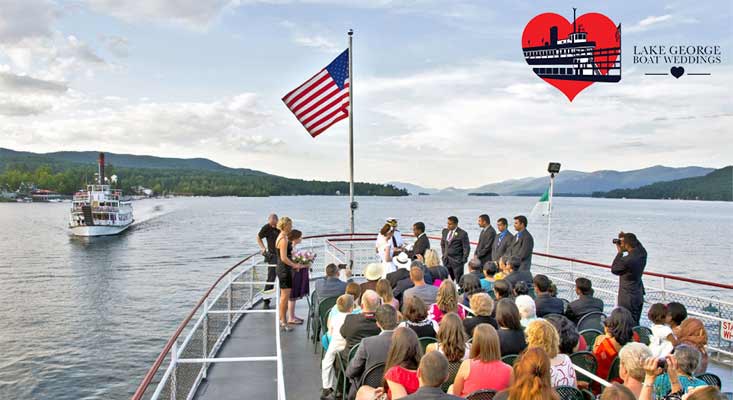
pixel 662 363
pixel 616 241
pixel 342 266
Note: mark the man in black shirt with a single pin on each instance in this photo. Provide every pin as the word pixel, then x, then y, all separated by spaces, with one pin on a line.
pixel 544 302
pixel 630 268
pixel 269 232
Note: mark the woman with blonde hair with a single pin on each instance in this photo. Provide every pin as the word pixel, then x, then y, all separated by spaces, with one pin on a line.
pixel 446 302
pixel 541 333
pixel 437 270
pixel 451 339
pixel 531 378
pixel 285 267
pixel 384 290
pixel 482 307
pixel 484 370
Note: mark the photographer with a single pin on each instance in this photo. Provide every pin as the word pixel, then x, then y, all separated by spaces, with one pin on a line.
pixel 672 376
pixel 629 265
pixel 269 232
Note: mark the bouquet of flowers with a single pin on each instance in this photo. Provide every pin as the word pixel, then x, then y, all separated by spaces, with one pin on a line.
pixel 304 257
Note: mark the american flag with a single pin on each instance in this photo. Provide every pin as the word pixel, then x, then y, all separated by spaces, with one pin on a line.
pixel 323 99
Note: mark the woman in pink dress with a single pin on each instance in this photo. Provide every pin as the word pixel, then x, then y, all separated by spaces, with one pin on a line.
pixel 484 369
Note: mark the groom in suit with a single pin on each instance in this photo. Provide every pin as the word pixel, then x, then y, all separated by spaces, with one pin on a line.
pixel 485 239
pixel 422 242
pixel 455 247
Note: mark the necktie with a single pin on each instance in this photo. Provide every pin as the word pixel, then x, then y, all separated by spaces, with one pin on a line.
pixel 450 236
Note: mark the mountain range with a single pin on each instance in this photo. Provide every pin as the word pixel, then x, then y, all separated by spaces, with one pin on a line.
pixel 716 186
pixel 572 182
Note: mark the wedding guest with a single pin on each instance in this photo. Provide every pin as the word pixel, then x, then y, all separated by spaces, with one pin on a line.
pixel 618 330
pixel 585 303
pixel 455 247
pixel 662 340
pixel 517 275
pixel 372 273
pixel 446 302
pixel 427 293
pixel 631 365
pixel 285 267
pixel 676 313
pixel 269 232
pixel 331 286
pixel 487 282
pixel 544 302
pixel 523 244
pixel 617 392
pixel 484 368
pixel 511 334
pixel 432 373
pixel 416 317
pixel 384 290
pixel 526 308
pixel 358 326
pixel 470 286
pixel 541 333
pixel 344 306
pixel 502 242
pixel 301 281
pixel 482 306
pixel 400 376
pixel 692 331
pixel 437 270
pixel 531 378
pixel 485 240
pixel 451 339
pixel 502 290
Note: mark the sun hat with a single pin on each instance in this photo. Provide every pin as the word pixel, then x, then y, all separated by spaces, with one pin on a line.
pixel 392 221
pixel 401 260
pixel 374 271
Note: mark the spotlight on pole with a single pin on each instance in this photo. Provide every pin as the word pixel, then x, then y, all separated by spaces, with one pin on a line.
pixel 553 168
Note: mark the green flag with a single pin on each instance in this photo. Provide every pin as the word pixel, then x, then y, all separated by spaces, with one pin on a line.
pixel 543 205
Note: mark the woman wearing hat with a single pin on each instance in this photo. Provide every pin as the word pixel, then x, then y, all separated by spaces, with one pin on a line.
pixel 373 273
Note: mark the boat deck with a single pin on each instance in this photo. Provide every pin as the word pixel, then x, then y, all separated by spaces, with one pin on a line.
pixel 254 335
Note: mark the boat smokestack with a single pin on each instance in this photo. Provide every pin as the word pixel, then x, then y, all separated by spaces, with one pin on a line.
pixel 553 36
pixel 101 168
pixel 575 28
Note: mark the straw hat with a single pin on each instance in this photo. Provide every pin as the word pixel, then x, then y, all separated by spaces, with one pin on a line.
pixel 401 260
pixel 374 271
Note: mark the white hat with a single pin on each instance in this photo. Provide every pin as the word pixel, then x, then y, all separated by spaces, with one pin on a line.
pixel 374 271
pixel 402 260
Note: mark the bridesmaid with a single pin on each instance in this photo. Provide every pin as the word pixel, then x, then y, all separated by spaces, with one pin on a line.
pixel 301 281
pixel 285 266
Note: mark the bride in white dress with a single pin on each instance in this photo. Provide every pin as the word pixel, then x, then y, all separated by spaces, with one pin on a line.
pixel 385 247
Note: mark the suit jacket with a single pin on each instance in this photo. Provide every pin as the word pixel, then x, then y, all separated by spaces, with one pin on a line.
pixel 431 393
pixel 329 287
pixel 372 350
pixel 396 276
pixel 421 244
pixel 583 305
pixel 357 327
pixel 485 245
pixel 519 276
pixel 546 304
pixel 522 248
pixel 501 247
pixel 630 269
pixel 455 251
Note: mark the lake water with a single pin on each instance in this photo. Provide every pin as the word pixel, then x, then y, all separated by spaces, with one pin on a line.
pixel 86 318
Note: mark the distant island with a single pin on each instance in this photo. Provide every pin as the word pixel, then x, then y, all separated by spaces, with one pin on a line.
pixel 423 194
pixel 67 172
pixel 491 194
pixel 715 186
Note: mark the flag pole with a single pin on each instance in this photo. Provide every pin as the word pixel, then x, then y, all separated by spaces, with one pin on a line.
pixel 549 214
pixel 352 204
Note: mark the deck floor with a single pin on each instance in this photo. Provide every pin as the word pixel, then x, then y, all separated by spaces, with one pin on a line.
pixel 254 335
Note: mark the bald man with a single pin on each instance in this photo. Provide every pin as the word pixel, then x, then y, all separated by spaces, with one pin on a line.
pixel 364 324
pixel 269 232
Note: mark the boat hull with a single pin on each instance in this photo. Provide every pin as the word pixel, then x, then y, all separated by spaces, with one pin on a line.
pixel 98 230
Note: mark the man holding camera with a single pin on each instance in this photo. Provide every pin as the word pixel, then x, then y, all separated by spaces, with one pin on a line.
pixel 629 265
pixel 269 232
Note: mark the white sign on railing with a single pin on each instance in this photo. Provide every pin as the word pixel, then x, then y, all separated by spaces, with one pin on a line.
pixel 726 330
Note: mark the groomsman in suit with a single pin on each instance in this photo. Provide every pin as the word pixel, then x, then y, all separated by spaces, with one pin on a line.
pixel 422 242
pixel 523 244
pixel 455 247
pixel 503 242
pixel 485 239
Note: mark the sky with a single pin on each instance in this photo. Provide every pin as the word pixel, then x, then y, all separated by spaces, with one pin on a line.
pixel 442 94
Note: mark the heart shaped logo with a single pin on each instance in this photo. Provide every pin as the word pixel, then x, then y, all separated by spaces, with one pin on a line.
pixel 573 56
pixel 677 71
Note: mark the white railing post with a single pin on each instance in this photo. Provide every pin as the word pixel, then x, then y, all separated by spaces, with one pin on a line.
pixel 174 362
pixel 278 352
pixel 229 305
pixel 205 336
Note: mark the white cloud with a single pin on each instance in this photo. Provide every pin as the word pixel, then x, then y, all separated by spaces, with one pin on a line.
pixel 309 37
pixel 117 45
pixel 196 14
pixel 655 21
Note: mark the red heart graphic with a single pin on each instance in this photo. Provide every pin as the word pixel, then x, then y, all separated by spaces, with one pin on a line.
pixel 545 34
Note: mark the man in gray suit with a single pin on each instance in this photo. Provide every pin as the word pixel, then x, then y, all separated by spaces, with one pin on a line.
pixel 503 241
pixel 455 247
pixel 485 239
pixel 523 244
pixel 372 350
pixel 431 373
pixel 332 286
